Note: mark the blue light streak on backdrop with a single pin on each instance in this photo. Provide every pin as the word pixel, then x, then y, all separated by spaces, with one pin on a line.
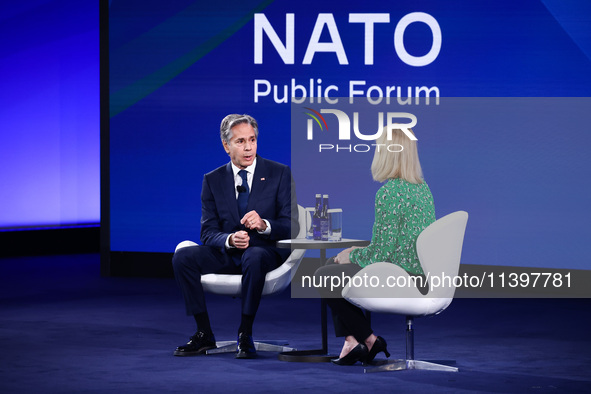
pixel 49 114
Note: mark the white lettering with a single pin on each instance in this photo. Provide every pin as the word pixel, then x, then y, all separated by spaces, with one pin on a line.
pixel 417 61
pixel 361 148
pixel 314 45
pixel 371 137
pixel 344 122
pixel 427 90
pixel 353 92
pixel 286 52
pixel 401 126
pixel 286 48
pixel 399 147
pixel 369 20
pixel 377 100
pixel 257 92
pixel 297 88
pixel 327 96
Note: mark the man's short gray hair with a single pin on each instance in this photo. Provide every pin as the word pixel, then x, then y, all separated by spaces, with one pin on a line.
pixel 235 119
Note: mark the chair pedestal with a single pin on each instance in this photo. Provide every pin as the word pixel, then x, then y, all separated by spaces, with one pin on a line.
pixel 400 365
pixel 261 346
pixel 410 362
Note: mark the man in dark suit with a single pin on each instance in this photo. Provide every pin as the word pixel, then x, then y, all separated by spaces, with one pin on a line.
pixel 247 205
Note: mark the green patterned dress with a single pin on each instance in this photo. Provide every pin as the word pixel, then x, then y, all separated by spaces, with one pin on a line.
pixel 402 211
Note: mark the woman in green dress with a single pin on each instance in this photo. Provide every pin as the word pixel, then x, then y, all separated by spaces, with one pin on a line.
pixel 403 209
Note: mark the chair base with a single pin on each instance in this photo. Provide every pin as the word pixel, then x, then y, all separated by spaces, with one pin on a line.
pixel 261 346
pixel 400 365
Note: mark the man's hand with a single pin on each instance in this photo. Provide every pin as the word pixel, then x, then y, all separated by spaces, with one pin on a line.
pixel 253 221
pixel 239 239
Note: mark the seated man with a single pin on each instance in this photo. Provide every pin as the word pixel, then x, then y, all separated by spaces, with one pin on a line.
pixel 247 205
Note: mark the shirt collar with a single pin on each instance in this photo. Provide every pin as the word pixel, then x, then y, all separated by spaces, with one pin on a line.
pixel 250 169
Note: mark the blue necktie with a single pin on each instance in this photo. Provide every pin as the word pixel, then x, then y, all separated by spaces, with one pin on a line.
pixel 243 194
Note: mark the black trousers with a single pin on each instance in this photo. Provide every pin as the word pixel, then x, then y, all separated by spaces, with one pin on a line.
pixel 253 263
pixel 348 319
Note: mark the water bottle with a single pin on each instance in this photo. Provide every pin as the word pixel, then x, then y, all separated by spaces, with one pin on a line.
pixel 324 219
pixel 316 218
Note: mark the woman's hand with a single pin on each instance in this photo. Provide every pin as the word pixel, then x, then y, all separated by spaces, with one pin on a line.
pixel 343 256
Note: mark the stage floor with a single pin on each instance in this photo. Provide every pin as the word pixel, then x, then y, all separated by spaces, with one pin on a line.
pixel 66 329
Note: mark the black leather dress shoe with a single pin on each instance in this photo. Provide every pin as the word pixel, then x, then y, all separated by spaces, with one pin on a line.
pixel 246 347
pixel 198 344
pixel 358 353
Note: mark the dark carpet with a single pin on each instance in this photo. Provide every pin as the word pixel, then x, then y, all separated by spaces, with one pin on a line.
pixel 64 329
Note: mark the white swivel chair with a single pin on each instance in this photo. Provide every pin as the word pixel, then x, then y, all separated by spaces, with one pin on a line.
pixel 275 282
pixel 439 248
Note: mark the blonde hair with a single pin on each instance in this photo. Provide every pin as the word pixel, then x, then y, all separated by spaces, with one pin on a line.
pixel 396 158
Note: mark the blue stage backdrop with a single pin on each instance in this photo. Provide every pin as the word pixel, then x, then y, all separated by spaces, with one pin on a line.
pixel 49 114
pixel 178 67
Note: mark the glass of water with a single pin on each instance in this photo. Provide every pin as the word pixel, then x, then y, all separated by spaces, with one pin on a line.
pixel 309 229
pixel 335 224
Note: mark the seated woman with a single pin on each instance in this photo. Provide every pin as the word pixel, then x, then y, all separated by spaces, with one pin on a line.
pixel 403 209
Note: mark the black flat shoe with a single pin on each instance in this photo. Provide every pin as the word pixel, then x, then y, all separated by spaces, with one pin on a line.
pixel 379 345
pixel 358 353
pixel 198 344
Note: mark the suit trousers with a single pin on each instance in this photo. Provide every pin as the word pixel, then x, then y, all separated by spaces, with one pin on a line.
pixel 348 319
pixel 253 263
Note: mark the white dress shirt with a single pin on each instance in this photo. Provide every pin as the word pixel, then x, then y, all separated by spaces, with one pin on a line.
pixel 237 182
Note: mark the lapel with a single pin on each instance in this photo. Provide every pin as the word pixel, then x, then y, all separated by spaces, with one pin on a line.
pixel 259 183
pixel 230 192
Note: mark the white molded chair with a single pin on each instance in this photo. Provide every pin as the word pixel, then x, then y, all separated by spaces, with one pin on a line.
pixel 439 248
pixel 275 281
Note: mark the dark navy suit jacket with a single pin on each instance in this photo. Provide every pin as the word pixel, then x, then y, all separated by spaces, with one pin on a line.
pixel 272 196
